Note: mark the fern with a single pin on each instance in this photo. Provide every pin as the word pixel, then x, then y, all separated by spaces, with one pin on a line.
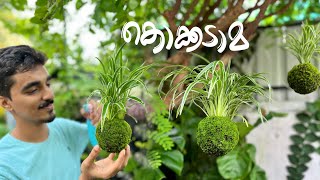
pixel 154 159
pixel 161 135
pixel 162 139
pixel 162 122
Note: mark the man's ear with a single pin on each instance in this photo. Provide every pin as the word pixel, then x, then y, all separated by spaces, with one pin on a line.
pixel 5 103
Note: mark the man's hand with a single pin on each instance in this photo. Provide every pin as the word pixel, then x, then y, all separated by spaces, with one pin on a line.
pixel 93 112
pixel 104 168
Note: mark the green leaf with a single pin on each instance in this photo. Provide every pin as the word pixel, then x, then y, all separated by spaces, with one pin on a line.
pixel 251 150
pixel 293 171
pixel 180 141
pixel 79 4
pixel 296 139
pixel 293 177
pixel 243 129
pixel 312 107
pixel 148 174
pixel 300 128
pixel 235 164
pixel 133 4
pixel 257 173
pixel 311 137
pixel 154 159
pixel 37 20
pixel 317 116
pixel 293 159
pixel 295 149
pixel 173 160
pixel 278 114
pixel 19 4
pixel 40 11
pixel 308 149
pixel 303 117
pixel 313 127
pixel 304 159
pixel 301 168
pixel 41 2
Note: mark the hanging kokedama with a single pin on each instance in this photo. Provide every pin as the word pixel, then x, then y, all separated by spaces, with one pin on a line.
pixel 113 133
pixel 219 94
pixel 304 78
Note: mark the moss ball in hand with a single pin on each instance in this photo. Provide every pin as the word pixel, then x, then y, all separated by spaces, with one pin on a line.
pixel 115 136
pixel 304 78
pixel 217 136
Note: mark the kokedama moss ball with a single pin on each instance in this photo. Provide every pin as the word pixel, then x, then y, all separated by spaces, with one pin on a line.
pixel 115 136
pixel 217 136
pixel 304 78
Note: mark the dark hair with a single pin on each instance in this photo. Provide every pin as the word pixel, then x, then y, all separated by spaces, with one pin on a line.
pixel 17 59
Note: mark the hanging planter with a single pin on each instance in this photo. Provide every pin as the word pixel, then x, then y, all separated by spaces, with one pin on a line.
pixel 219 94
pixel 304 78
pixel 113 133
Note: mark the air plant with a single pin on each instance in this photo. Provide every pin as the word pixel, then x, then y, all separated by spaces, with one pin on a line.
pixel 219 94
pixel 304 78
pixel 113 133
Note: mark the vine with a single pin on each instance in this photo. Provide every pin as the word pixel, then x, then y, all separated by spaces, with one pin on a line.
pixel 304 141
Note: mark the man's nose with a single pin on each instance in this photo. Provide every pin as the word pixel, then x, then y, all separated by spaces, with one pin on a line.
pixel 48 93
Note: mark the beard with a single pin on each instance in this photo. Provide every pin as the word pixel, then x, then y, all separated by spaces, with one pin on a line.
pixel 51 118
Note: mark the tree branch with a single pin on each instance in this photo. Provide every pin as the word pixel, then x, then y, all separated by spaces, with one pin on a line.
pixel 176 7
pixel 224 22
pixel 202 11
pixel 250 10
pixel 190 10
pixel 209 12
pixel 252 26
pixel 170 15
pixel 249 31
pixel 230 3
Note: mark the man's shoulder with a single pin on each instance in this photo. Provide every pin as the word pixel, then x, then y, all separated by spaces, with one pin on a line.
pixel 9 148
pixel 4 142
pixel 8 163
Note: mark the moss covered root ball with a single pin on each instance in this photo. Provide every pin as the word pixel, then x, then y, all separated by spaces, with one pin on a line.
pixel 115 136
pixel 304 78
pixel 217 136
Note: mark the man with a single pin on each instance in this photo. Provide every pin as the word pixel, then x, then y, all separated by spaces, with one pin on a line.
pixel 42 146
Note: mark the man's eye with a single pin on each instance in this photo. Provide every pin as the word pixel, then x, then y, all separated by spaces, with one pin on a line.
pixel 32 91
pixel 48 84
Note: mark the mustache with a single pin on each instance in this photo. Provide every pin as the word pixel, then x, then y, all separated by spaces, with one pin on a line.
pixel 46 103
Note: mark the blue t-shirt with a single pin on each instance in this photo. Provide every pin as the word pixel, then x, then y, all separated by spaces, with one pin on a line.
pixel 58 157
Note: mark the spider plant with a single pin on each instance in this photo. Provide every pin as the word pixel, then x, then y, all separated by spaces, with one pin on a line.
pixel 304 78
pixel 117 80
pixel 219 94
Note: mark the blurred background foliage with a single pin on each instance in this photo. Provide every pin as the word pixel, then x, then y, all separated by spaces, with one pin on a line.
pixel 175 154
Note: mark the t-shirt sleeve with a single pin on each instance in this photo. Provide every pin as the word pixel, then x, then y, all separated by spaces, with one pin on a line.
pixel 76 133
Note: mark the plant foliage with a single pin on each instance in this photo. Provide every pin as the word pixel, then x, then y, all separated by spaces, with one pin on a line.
pixel 306 44
pixel 117 81
pixel 214 89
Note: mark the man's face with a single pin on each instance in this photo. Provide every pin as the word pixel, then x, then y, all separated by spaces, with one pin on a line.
pixel 31 96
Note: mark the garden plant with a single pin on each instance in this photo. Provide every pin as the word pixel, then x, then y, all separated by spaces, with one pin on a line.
pixel 219 93
pixel 304 78
pixel 117 80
